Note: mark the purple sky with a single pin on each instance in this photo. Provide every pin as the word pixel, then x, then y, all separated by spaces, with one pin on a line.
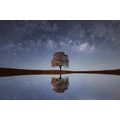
pixel 31 44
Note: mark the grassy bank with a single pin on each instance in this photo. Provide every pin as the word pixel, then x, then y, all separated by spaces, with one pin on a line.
pixel 15 72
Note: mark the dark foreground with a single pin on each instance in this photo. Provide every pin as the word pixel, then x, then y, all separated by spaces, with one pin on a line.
pixel 14 72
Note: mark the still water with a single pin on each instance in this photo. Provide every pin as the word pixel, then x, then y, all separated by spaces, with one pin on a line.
pixel 55 87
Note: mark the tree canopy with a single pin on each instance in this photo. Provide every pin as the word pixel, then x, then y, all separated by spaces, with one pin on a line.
pixel 60 59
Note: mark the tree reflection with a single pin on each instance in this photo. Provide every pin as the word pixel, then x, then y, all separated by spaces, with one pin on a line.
pixel 60 84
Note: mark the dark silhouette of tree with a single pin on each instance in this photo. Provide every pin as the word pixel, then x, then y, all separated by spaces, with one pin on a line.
pixel 60 59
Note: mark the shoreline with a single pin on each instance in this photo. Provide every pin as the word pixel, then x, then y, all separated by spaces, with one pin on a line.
pixel 4 72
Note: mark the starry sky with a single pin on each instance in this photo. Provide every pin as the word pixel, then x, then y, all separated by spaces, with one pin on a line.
pixel 90 45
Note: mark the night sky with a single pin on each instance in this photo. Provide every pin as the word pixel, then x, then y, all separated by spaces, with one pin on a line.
pixel 31 44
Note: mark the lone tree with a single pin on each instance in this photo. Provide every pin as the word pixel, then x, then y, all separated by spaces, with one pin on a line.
pixel 60 59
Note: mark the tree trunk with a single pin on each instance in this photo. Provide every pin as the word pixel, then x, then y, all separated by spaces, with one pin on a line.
pixel 60 67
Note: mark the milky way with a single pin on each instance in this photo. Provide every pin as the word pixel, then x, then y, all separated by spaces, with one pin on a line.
pixel 31 44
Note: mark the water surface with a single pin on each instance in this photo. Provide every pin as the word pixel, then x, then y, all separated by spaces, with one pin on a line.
pixel 55 87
